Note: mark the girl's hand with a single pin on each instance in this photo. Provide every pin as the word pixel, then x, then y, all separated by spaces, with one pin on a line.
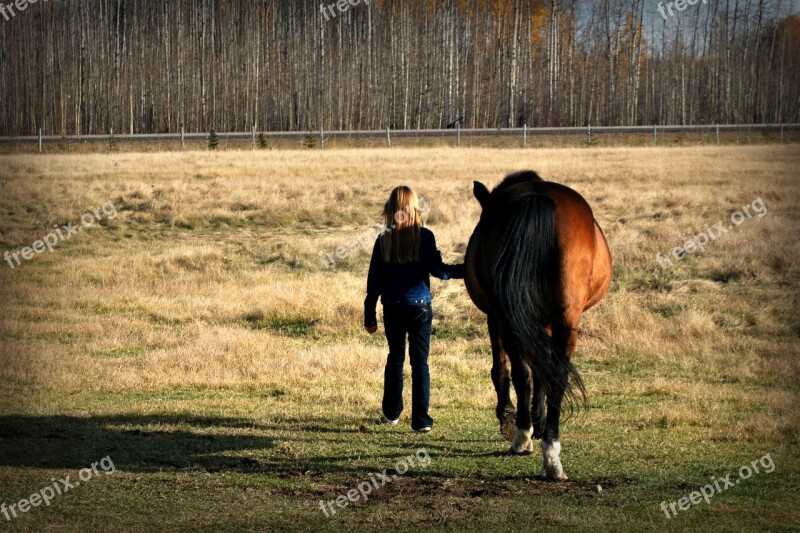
pixel 371 329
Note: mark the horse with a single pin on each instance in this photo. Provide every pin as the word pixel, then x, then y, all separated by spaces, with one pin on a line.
pixel 535 262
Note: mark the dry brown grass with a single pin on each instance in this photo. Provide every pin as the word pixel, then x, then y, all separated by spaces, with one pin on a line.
pixel 209 278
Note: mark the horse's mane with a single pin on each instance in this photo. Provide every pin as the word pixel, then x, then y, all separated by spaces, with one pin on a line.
pixel 515 178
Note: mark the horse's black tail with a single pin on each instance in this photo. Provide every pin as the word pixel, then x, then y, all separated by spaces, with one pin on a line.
pixel 528 296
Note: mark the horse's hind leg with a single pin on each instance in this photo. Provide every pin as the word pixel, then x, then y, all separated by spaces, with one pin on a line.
pixel 501 377
pixel 538 411
pixel 521 376
pixel 551 445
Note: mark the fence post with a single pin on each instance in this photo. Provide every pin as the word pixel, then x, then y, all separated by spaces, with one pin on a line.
pixel 388 137
pixel 655 135
pixel 781 133
pixel 321 137
pixel 525 135
pixel 717 134
pixel 40 139
pixel 183 134
pixel 458 134
pixel 253 139
pixel 589 134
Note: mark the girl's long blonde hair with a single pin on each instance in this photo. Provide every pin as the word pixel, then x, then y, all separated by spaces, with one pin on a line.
pixel 403 218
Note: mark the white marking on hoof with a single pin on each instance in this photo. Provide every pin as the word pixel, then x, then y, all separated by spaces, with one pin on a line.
pixel 522 443
pixel 551 461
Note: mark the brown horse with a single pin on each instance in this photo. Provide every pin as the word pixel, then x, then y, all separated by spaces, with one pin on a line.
pixel 535 262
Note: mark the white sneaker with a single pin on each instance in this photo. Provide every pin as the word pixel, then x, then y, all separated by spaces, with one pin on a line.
pixel 389 422
pixel 426 429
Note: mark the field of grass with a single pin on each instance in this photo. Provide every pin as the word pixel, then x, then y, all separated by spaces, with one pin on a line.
pixel 197 341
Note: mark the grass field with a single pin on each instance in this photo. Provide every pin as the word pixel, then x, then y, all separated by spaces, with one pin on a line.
pixel 194 339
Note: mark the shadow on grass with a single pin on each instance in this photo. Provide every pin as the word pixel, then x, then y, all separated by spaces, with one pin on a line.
pixel 164 443
pixel 168 442
pixel 182 443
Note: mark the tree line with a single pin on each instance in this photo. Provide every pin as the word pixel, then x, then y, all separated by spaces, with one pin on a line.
pixel 137 66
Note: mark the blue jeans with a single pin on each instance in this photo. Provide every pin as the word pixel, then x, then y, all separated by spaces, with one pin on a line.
pixel 414 322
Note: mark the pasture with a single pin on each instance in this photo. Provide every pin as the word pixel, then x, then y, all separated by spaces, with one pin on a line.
pixel 196 339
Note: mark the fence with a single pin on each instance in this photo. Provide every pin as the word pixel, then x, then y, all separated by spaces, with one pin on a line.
pixel 455 134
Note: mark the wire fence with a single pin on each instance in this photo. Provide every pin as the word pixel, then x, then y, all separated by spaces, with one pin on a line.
pixel 497 137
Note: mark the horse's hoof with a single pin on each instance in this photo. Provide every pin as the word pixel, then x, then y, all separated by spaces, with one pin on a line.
pixel 522 443
pixel 508 426
pixel 561 477
pixel 525 451
pixel 551 462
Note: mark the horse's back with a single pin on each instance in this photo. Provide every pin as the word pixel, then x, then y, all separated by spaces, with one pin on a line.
pixel 585 258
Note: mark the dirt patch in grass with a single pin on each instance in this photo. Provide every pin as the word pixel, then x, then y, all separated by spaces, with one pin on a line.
pixel 460 488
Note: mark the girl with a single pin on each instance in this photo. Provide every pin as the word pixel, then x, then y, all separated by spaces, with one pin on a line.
pixel 403 258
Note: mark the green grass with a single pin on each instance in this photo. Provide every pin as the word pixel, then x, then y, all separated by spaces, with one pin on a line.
pixel 214 469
